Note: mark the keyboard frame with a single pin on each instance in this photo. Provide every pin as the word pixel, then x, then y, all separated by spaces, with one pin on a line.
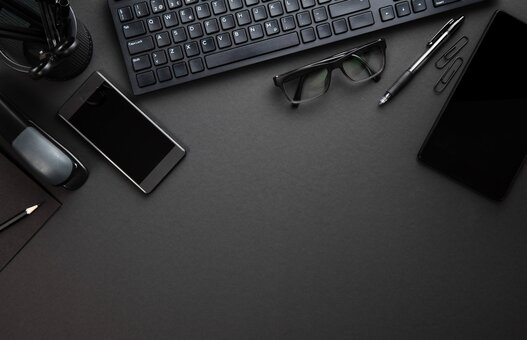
pixel 375 6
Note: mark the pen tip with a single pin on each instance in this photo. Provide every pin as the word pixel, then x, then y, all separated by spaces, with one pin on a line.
pixel 385 98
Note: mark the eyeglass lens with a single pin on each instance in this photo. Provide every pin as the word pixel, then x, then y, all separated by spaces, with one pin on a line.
pixel 362 65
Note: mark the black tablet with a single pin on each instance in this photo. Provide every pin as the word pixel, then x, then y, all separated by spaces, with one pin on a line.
pixel 480 138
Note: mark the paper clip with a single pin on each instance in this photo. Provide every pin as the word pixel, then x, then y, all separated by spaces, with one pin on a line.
pixel 452 52
pixel 443 82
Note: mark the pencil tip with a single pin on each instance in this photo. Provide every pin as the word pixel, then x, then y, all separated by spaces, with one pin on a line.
pixel 30 210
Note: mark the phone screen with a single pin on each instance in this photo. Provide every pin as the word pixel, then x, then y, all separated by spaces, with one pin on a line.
pixel 481 136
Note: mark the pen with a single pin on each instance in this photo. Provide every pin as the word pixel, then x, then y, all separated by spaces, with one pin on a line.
pixel 433 46
pixel 18 217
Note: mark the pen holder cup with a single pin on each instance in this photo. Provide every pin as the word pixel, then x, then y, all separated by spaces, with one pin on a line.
pixel 43 39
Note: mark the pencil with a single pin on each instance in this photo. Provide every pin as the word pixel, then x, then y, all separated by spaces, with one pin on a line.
pixel 18 217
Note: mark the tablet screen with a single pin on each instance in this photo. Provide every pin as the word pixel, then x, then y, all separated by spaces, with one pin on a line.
pixel 481 136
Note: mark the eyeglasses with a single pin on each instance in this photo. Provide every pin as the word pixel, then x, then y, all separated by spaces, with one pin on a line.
pixel 311 81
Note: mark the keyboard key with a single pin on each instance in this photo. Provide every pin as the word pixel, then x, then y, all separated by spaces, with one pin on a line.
pixel 251 2
pixel 175 53
pixel 164 74
pixel 227 22
pixel 256 32
pixel 340 26
pixel 146 79
pixel 163 39
pixel 174 4
pixel 203 11
pixel 195 30
pixel 243 17
pixel 141 9
pixel 179 34
pixel 140 45
pixel 211 26
pixel 361 20
pixel 288 23
pixel 271 27
pixel 125 14
pixel 159 58
pixel 190 2
pixel 252 50
pixel 438 3
pixel 307 3
pixel 191 49
pixel 186 15
pixel 134 29
pixel 291 5
pixel 259 13
pixel 303 19
pixel 324 31
pixel 239 36
pixel 419 5
pixel 196 65
pixel 157 6
pixel 218 7
pixel 275 9
pixel 224 40
pixel 180 69
pixel 323 1
pixel 346 7
pixel 140 63
pixel 402 8
pixel 207 44
pixel 308 35
pixel 154 24
pixel 235 4
pixel 170 19
pixel 387 13
pixel 320 14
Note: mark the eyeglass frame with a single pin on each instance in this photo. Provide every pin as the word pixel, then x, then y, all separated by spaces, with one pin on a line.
pixel 331 63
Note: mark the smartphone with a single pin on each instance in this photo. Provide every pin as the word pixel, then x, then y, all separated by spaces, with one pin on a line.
pixel 480 138
pixel 121 132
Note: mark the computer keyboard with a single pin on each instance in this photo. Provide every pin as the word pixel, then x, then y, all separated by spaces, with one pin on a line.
pixel 169 42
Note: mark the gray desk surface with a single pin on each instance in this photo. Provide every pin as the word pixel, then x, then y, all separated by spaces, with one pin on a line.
pixel 310 224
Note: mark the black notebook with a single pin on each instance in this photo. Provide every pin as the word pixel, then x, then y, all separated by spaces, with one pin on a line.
pixel 18 192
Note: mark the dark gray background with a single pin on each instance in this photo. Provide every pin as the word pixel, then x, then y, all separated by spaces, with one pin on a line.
pixel 317 223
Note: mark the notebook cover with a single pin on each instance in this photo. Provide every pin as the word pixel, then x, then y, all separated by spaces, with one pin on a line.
pixel 18 192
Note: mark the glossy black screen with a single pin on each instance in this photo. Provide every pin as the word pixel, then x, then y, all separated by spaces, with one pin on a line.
pixel 122 133
pixel 481 137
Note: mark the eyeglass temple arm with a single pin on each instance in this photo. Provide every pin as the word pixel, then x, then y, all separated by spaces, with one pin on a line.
pixel 367 67
pixel 298 92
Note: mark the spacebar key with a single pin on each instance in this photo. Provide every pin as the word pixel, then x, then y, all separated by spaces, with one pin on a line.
pixel 348 6
pixel 252 50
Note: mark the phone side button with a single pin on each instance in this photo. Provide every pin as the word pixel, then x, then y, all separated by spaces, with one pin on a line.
pixel 146 79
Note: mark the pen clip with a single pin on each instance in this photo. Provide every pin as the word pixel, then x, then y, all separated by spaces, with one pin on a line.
pixel 441 31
